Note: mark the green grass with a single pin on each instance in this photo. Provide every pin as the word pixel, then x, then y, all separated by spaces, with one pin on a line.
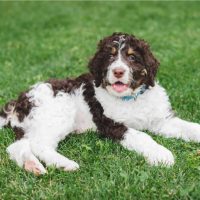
pixel 43 40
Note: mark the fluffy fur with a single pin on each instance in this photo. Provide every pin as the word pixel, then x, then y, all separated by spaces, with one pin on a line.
pixel 49 111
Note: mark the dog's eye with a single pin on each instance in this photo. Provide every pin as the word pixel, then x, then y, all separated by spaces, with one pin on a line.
pixel 132 58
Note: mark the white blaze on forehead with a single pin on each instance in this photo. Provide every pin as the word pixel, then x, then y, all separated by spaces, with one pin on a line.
pixel 118 63
pixel 121 41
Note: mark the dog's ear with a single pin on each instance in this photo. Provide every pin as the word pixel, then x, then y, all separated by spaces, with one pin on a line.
pixel 97 64
pixel 151 63
pixel 95 68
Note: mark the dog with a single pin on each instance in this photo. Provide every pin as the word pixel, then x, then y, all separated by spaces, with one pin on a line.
pixel 118 99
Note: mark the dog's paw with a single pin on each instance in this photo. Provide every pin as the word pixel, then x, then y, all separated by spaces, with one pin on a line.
pixel 64 163
pixel 160 156
pixel 143 144
pixel 34 167
pixel 194 133
pixel 71 166
pixel 187 131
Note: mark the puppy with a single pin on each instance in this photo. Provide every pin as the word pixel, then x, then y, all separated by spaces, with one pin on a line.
pixel 119 99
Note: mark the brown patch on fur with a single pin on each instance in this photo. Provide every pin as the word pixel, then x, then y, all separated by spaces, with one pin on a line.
pixel 69 85
pixel 23 106
pixel 19 133
pixel 105 126
pixel 65 85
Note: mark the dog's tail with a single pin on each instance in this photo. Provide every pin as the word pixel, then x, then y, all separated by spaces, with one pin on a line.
pixel 6 113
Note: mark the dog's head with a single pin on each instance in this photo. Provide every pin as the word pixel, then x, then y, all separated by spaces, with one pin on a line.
pixel 122 63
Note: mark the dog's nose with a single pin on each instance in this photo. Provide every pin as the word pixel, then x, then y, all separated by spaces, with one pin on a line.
pixel 118 72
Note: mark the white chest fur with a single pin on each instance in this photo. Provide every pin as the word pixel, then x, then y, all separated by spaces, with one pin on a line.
pixel 140 113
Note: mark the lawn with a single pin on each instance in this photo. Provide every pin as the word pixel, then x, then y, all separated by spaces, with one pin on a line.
pixel 49 39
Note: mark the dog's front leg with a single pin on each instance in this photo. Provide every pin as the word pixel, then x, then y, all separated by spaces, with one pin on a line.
pixel 134 140
pixel 143 144
pixel 178 128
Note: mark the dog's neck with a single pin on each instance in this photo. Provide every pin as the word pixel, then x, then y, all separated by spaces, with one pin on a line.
pixel 139 91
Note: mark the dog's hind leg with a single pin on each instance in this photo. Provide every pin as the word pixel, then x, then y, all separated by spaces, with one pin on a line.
pixel 51 157
pixel 52 123
pixel 44 140
pixel 21 153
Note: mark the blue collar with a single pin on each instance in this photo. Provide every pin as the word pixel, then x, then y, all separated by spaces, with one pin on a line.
pixel 142 89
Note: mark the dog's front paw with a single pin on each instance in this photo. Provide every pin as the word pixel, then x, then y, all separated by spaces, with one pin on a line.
pixel 194 133
pixel 71 166
pixel 160 156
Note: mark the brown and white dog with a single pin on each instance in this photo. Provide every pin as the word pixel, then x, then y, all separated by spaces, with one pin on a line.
pixel 119 99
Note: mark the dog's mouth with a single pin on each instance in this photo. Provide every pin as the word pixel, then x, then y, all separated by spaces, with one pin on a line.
pixel 119 86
